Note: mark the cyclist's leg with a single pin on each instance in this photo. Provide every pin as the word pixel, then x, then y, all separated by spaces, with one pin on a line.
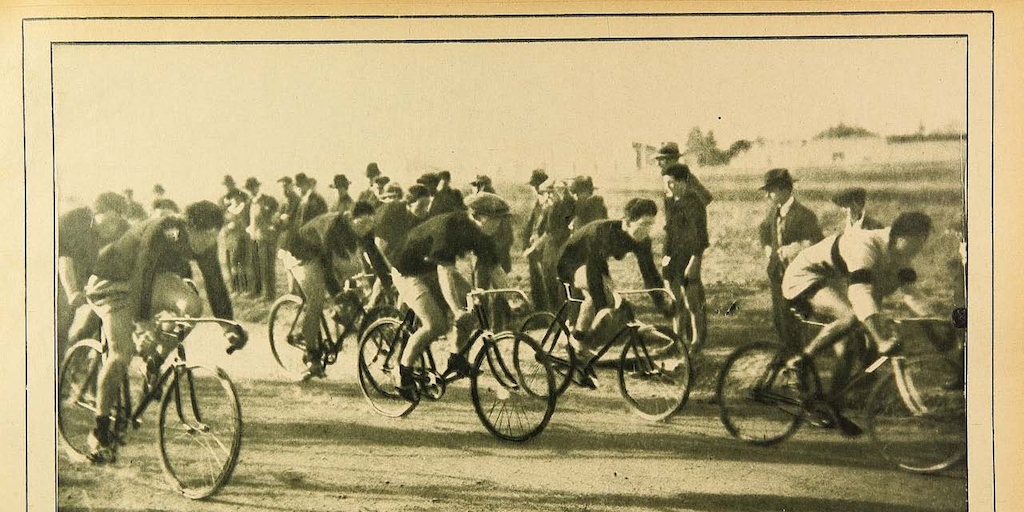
pixel 309 277
pixel 111 303
pixel 421 294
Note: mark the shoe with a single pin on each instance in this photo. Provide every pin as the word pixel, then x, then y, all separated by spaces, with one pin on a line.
pixel 101 447
pixel 314 370
pixel 586 377
pixel 458 364
pixel 407 387
pixel 847 427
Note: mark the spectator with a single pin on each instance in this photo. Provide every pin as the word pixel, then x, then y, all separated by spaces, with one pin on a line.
pixel 311 204
pixel 135 212
pixel 236 241
pixel 788 228
pixel 289 208
pixel 344 203
pixel 686 239
pixel 446 199
pixel 370 195
pixel 589 207
pixel 161 204
pixel 263 233
pixel 852 201
pixel 482 183
pixel 667 156
pixel 532 233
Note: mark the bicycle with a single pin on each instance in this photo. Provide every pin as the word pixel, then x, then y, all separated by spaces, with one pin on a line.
pixel 345 315
pixel 915 410
pixel 200 420
pixel 654 370
pixel 513 401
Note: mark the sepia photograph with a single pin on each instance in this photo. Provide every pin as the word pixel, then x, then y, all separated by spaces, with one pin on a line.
pixel 556 262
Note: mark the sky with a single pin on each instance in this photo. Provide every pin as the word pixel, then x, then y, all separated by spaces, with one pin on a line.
pixel 185 115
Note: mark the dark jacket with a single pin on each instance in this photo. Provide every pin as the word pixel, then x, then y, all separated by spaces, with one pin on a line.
pixel 310 208
pixel 160 245
pixel 446 200
pixel 800 224
pixel 588 210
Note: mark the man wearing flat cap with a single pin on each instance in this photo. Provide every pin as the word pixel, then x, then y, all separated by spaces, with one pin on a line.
pixel 852 201
pixel 589 207
pixel 668 156
pixel 263 234
pixel 788 228
pixel 428 281
pixel 344 202
pixel 311 204
pixel 446 199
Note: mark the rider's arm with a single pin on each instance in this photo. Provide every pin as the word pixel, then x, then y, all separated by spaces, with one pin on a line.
pixel 908 286
pixel 652 279
pixel 68 281
pixel 213 282
pixel 452 286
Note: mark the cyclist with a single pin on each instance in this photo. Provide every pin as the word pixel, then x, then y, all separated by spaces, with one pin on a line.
pixel 308 253
pixel 584 263
pixel 845 277
pixel 427 280
pixel 81 234
pixel 143 273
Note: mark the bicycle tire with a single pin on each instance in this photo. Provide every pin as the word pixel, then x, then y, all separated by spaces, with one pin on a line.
pixel 509 406
pixel 917 415
pixel 556 345
pixel 377 365
pixel 200 437
pixel 758 402
pixel 655 373
pixel 76 396
pixel 284 326
pixel 374 314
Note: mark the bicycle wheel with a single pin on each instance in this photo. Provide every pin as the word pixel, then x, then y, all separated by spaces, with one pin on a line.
pixel 76 396
pixel 759 402
pixel 286 317
pixel 378 367
pixel 200 430
pixel 554 341
pixel 509 398
pixel 654 373
pixel 917 415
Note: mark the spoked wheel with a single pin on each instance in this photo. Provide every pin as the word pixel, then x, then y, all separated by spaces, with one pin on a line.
pixel 513 394
pixel 76 396
pixel 917 415
pixel 200 430
pixel 654 373
pixel 554 341
pixel 286 343
pixel 378 368
pixel 759 402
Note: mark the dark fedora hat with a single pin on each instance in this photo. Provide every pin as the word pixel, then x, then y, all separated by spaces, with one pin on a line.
pixel 482 180
pixel 537 176
pixel 582 184
pixel 301 179
pixel 668 150
pixel 380 181
pixel 285 179
pixel 251 183
pixel 340 181
pixel 777 178
pixel 158 189
pixel 372 171
pixel 488 204
pixel 850 196
pixel 228 180
pixel 429 180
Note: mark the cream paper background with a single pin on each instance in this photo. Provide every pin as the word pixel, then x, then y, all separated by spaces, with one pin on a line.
pixel 28 261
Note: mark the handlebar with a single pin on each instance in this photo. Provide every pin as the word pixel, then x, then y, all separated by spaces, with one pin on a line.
pixel 181 324
pixel 472 296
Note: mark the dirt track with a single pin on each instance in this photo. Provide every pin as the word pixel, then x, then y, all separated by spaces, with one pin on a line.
pixel 319 447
